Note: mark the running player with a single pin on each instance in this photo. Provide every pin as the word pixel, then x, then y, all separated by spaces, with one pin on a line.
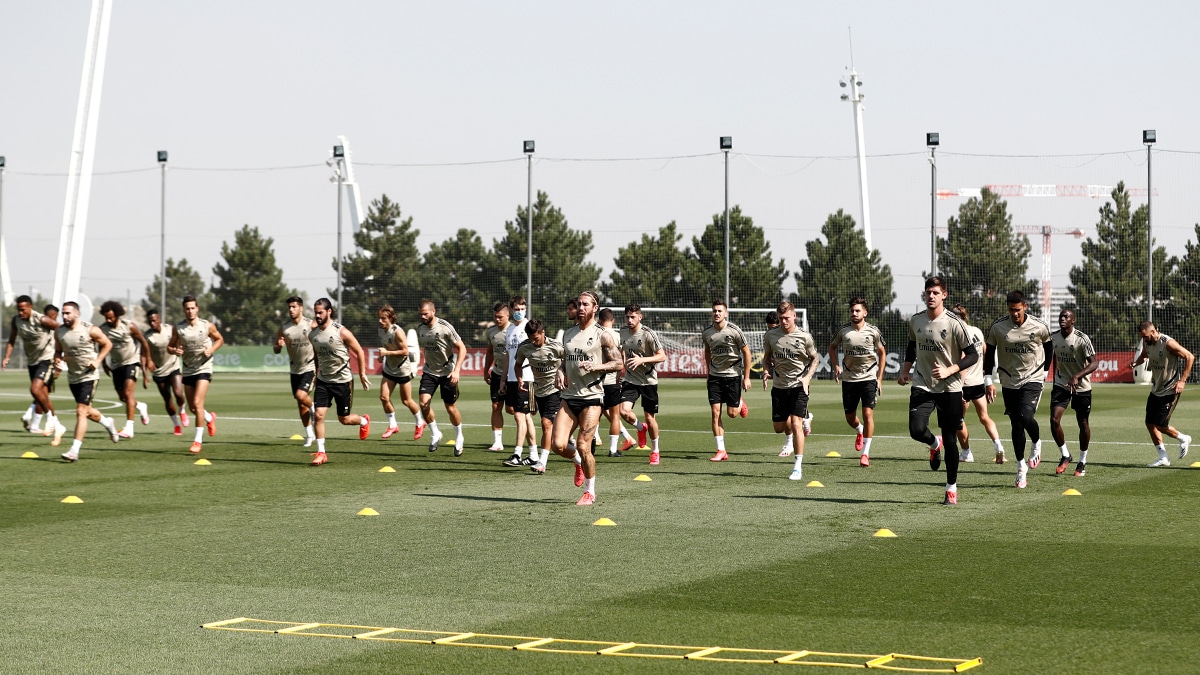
pixel 590 351
pixel 1074 362
pixel 165 368
pixel 1020 346
pixel 332 345
pixel 728 357
pixel 516 398
pixel 974 393
pixel 37 338
pixel 83 348
pixel 772 320
pixel 793 358
pixel 544 357
pixel 398 371
pixel 642 350
pixel 1170 366
pixel 196 340
pixel 124 361
pixel 302 367
pixel 495 365
pixel 612 395
pixel 939 349
pixel 444 353
pixel 863 355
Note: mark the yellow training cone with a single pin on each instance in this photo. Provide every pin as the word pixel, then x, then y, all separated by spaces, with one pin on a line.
pixel 643 478
pixel 297 437
pixel 833 453
pixel 368 512
pixel 448 441
pixel 643 447
pixel 815 483
pixel 29 455
pixel 72 500
pixel 884 533
pixel 387 469
pixel 1195 465
pixel 202 462
pixel 1072 492
pixel 604 521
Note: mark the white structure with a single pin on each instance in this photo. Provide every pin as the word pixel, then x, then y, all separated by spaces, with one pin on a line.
pixel 855 97
pixel 83 149
pixel 353 194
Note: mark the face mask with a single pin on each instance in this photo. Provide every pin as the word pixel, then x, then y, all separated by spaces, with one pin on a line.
pixel 518 316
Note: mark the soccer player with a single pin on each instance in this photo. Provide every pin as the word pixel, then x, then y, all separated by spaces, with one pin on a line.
pixel 793 357
pixel 974 393
pixel 863 355
pixel 332 345
pixel 195 340
pixel 772 320
pixel 642 350
pixel 1074 361
pixel 590 352
pixel 544 357
pixel 1020 346
pixel 444 353
pixel 1170 366
pixel 302 367
pixel 37 338
pixel 728 359
pixel 165 368
pixel 612 395
pixel 495 363
pixel 516 398
pixel 83 348
pixel 398 371
pixel 939 349
pixel 124 361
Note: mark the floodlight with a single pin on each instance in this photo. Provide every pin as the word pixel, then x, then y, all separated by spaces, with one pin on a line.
pixel 845 97
pixel 1 161
pixel 162 156
pixel 1149 137
pixel 727 142
pixel 528 147
pixel 842 83
pixel 339 152
pixel 932 140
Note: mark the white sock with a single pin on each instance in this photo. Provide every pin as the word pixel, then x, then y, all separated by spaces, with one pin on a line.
pixel 433 428
pixel 545 456
pixel 999 446
pixel 589 485
pixel 391 419
pixel 128 426
pixel 207 416
pixel 458 437
pixel 951 487
pixel 720 443
pixel 859 428
pixel 30 411
pixel 1037 448
pixel 654 442
pixel 625 432
pixel 51 421
pixel 417 419
pixel 1021 465
pixel 1063 449
pixel 867 446
pixel 199 433
pixel 1083 456
pixel 1162 449
pixel 363 421
pixel 577 459
pixel 175 420
pixel 36 422
pixel 612 444
pixel 308 430
pixel 498 436
pixel 320 445
pixel 799 460
pixel 75 446
pixel 520 450
pixel 787 441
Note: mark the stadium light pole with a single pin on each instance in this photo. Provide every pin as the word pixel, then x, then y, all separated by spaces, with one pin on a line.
pixel 933 139
pixel 162 240
pixel 528 148
pixel 726 146
pixel 1149 137
pixel 339 157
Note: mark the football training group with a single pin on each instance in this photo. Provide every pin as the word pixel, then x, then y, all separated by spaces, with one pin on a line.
pixel 598 371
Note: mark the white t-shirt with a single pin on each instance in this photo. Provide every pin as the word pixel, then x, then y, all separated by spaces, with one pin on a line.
pixel 514 336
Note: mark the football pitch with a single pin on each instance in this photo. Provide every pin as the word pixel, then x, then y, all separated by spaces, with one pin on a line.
pixel 702 555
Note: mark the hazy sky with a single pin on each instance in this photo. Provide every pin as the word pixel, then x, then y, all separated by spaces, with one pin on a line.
pixel 240 85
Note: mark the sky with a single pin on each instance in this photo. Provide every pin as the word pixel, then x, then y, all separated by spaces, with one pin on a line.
pixel 436 99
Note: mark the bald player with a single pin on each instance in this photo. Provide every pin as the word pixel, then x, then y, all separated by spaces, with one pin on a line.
pixel 1170 366
pixel 444 352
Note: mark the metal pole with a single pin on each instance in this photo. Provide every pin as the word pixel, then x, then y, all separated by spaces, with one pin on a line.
pixel 162 253
pixel 727 228
pixel 339 238
pixel 933 211
pixel 1 244
pixel 1149 242
pixel 529 233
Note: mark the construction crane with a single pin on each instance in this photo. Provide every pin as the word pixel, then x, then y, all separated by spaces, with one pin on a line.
pixel 1047 233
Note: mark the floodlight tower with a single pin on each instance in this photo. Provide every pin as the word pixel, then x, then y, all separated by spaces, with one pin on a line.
pixel 353 194
pixel 855 97
pixel 1149 138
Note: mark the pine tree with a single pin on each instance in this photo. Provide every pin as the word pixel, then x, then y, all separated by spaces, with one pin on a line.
pixel 755 279
pixel 650 271
pixel 458 282
pixel 250 296
pixel 181 280
pixel 1180 318
pixel 386 269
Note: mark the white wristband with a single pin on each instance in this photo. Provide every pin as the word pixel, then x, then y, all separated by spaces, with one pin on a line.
pixel 987 380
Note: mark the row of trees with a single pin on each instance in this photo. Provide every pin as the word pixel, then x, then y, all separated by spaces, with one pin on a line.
pixel 982 256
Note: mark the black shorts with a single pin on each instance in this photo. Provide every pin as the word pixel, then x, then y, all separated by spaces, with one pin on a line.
pixel 787 403
pixel 1081 402
pixel 123 374
pixel 42 370
pixel 548 406
pixel 494 388
pixel 430 384
pixel 974 393
pixel 515 398
pixel 166 379
pixel 339 393
pixel 612 396
pixel 1022 401
pixel 578 405
pixel 303 381
pixel 398 379
pixel 865 392
pixel 1160 408
pixel 727 390
pixel 948 405
pixel 191 380
pixel 647 392
pixel 83 391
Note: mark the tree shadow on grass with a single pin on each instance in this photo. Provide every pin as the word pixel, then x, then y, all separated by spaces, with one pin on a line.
pixel 478 498
pixel 836 500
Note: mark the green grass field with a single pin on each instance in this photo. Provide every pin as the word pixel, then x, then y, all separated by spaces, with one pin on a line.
pixel 731 554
